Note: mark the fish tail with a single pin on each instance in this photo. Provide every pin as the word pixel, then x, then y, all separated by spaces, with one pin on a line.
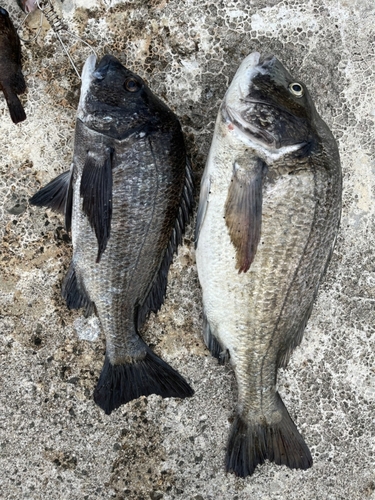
pixel 119 384
pixel 251 443
pixel 17 113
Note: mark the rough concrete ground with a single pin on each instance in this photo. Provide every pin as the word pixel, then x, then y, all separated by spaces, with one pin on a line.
pixel 54 442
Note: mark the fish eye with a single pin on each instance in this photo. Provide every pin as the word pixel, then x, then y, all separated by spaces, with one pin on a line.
pixel 296 89
pixel 3 12
pixel 132 85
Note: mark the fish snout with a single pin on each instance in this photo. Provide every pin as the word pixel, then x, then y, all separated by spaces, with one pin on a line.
pixel 267 61
pixel 105 65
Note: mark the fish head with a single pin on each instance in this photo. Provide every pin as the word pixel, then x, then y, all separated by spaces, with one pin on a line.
pixel 117 102
pixel 268 105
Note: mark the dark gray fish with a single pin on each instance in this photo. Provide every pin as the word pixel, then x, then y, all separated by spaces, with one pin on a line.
pixel 12 82
pixel 126 200
pixel 267 222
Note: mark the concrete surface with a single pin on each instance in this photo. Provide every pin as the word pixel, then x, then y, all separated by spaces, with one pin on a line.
pixel 54 442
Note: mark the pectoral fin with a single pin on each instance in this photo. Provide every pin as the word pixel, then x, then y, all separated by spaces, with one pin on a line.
pixel 243 211
pixel 96 191
pixel 54 195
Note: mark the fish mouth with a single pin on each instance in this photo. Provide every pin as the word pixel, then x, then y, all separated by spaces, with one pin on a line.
pixel 89 67
pixel 104 66
pixel 267 61
pixel 94 73
pixel 86 79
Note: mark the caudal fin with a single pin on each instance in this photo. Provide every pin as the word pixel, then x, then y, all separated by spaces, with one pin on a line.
pixel 119 384
pixel 251 444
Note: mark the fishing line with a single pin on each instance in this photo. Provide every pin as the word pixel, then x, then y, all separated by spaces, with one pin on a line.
pixel 58 26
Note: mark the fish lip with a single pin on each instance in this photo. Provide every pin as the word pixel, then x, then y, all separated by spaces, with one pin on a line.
pixel 267 61
pixel 103 67
pixel 251 61
pixel 89 67
pixel 86 78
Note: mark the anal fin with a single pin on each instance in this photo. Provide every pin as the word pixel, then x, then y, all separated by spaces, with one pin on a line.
pixel 243 210
pixel 213 345
pixel 74 293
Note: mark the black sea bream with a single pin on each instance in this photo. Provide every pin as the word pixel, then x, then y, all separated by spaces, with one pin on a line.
pixel 268 218
pixel 126 199
pixel 12 82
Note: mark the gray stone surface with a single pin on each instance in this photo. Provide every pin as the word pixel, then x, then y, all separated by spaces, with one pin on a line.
pixel 54 442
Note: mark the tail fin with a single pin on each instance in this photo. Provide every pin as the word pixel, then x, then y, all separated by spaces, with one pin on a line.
pixel 119 384
pixel 17 113
pixel 250 444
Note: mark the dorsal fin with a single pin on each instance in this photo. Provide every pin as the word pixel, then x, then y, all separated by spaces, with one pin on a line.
pixel 155 297
pixel 96 191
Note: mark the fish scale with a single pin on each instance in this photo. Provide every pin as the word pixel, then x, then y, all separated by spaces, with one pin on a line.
pixel 130 224
pixel 126 200
pixel 267 222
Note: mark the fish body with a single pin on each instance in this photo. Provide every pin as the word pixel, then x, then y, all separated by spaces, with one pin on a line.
pixel 126 199
pixel 267 222
pixel 12 82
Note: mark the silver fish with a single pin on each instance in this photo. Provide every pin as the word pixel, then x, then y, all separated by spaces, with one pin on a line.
pixel 267 222
pixel 127 200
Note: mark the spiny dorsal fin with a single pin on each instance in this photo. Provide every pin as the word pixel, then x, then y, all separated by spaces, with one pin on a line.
pixel 243 211
pixel 96 191
pixel 156 295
